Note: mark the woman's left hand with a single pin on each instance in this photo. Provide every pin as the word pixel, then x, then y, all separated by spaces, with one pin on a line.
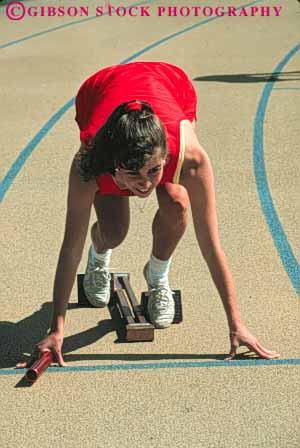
pixel 242 336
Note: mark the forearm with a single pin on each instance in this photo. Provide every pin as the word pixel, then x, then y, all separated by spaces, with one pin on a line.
pixel 202 195
pixel 80 200
pixel 64 279
pixel 221 275
pixel 197 177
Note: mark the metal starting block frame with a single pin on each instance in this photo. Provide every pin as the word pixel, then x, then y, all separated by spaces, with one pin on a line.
pixel 136 326
pixel 124 307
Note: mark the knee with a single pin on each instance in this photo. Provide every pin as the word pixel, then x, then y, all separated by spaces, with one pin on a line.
pixel 111 235
pixel 174 202
pixel 114 238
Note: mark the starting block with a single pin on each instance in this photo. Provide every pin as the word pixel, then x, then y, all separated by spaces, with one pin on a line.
pixel 124 306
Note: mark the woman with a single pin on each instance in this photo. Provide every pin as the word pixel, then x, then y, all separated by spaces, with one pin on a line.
pixel 137 135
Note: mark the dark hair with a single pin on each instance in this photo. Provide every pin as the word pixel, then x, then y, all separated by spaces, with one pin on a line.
pixel 128 139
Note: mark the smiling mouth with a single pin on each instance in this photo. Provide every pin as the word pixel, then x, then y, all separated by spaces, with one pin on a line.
pixel 143 191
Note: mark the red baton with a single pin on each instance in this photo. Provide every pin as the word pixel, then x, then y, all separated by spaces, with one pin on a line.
pixel 39 366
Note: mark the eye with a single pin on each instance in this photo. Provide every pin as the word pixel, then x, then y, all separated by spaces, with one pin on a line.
pixel 128 172
pixel 155 170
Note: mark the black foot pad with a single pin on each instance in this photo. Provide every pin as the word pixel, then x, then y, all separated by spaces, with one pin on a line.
pixel 178 306
pixel 82 300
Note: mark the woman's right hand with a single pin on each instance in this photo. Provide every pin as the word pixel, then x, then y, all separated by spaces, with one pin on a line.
pixel 52 342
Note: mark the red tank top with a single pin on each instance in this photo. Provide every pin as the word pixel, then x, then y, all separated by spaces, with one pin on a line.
pixel 165 87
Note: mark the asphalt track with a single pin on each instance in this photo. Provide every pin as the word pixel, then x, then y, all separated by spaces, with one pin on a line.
pixel 246 71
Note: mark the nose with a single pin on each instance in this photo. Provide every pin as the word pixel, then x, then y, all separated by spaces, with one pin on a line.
pixel 143 182
pixel 144 185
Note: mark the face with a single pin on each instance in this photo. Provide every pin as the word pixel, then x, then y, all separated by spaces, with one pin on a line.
pixel 143 182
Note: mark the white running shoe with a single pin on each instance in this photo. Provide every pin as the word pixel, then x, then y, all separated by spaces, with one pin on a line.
pixel 161 306
pixel 96 282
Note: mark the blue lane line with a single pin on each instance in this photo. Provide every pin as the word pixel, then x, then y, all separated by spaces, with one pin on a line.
pixel 17 166
pixel 163 365
pixel 27 151
pixel 185 30
pixel 66 25
pixel 41 33
pixel 288 259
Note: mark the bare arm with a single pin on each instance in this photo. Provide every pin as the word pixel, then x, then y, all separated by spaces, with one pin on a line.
pixel 80 199
pixel 197 177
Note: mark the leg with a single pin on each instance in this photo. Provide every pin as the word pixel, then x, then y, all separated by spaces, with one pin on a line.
pixel 170 220
pixel 112 223
pixel 168 227
pixel 107 232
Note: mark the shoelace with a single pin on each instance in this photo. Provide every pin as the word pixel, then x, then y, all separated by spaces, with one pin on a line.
pixel 161 296
pixel 100 276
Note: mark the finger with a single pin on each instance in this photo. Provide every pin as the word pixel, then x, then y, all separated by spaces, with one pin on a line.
pixel 60 359
pixel 55 352
pixel 39 350
pixel 232 353
pixel 269 352
pixel 269 355
pixel 27 363
pixel 44 350
pixel 21 365
pixel 230 357
pixel 260 351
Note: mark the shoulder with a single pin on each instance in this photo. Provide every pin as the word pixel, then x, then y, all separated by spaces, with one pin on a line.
pixel 76 183
pixel 194 154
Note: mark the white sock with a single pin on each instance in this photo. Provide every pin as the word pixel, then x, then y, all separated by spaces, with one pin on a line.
pixel 158 271
pixel 103 258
